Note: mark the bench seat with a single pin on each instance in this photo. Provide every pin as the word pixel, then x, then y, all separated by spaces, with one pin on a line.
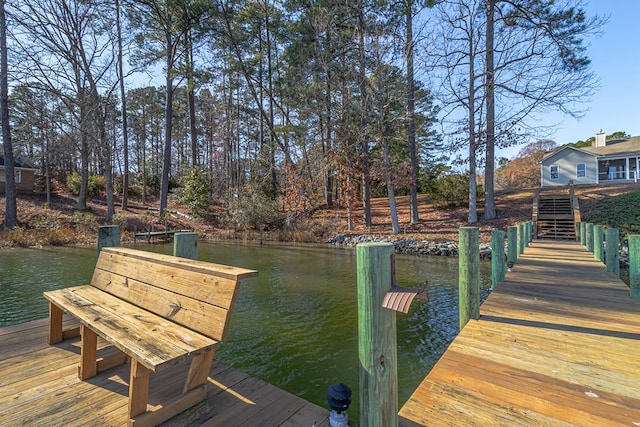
pixel 158 310
pixel 153 341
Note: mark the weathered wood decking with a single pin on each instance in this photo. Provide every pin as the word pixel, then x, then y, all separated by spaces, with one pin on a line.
pixel 39 386
pixel 557 344
pixel 149 235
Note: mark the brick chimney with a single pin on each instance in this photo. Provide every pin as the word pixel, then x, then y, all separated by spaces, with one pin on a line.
pixel 601 140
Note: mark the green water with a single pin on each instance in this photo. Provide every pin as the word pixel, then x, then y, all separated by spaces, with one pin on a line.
pixel 295 326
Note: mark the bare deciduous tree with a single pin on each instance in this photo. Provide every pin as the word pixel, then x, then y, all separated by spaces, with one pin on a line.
pixel 10 213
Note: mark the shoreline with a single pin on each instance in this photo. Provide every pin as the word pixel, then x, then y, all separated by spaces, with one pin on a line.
pixel 409 246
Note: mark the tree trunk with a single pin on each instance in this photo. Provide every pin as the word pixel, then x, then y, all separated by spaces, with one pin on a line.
pixel 108 169
pixel 392 198
pixel 411 119
pixel 123 100
pixel 366 178
pixel 11 213
pixel 473 215
pixel 328 143
pixel 191 88
pixel 273 187
pixel 84 156
pixel 489 203
pixel 47 166
pixel 166 162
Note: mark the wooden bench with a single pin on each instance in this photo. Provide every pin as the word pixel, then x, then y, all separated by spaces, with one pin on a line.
pixel 158 310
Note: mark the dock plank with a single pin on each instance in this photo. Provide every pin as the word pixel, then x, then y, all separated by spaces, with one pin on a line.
pixel 40 387
pixel 556 344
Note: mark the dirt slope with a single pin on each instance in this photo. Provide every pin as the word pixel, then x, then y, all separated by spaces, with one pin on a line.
pixel 61 224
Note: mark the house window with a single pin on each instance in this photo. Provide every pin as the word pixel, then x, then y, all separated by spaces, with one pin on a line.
pixel 581 170
pixel 553 172
pixel 16 173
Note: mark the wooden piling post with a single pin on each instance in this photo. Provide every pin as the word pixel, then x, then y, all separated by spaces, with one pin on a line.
pixel 578 231
pixel 583 233
pixel 613 251
pixel 512 244
pixel 185 245
pixel 521 238
pixel 634 265
pixel 598 242
pixel 528 232
pixel 589 236
pixel 377 336
pixel 497 257
pixel 108 236
pixel 469 274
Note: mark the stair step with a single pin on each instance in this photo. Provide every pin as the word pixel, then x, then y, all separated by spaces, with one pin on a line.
pixel 555 219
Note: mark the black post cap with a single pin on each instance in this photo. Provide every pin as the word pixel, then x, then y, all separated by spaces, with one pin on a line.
pixel 339 397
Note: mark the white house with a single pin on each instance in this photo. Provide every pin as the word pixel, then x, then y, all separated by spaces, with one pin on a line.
pixel 613 161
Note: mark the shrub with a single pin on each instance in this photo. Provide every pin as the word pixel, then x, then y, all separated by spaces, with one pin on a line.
pixel 196 192
pixel 61 236
pixel 153 185
pixel 74 180
pixel 121 219
pixel 83 218
pixel 97 184
pixel 253 208
pixel 619 211
pixel 453 190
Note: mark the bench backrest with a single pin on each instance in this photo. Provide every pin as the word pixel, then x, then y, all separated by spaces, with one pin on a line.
pixel 195 294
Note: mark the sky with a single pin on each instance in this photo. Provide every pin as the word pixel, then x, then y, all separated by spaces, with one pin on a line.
pixel 615 59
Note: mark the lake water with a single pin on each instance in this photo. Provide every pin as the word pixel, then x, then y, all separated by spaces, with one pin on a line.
pixel 295 326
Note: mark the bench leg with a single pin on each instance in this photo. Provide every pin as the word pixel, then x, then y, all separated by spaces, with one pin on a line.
pixel 195 391
pixel 199 370
pixel 88 353
pixel 55 323
pixel 138 389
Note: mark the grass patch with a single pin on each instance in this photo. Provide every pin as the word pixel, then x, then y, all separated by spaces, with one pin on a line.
pixel 621 211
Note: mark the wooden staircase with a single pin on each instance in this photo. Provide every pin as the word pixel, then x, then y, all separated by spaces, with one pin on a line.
pixel 555 218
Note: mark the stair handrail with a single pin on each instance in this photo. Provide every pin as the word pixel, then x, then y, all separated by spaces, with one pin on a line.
pixel 534 213
pixel 575 207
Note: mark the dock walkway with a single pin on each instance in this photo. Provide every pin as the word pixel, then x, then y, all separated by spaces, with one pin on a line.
pixel 557 344
pixel 40 387
pixel 165 235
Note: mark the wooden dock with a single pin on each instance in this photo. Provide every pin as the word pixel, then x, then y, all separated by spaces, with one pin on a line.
pixel 557 344
pixel 165 235
pixel 40 387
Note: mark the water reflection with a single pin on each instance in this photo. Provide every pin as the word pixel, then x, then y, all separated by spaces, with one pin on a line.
pixel 294 326
pixel 26 273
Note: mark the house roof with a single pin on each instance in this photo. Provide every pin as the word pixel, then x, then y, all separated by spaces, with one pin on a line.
pixel 563 148
pixel 614 148
pixel 617 147
pixel 19 163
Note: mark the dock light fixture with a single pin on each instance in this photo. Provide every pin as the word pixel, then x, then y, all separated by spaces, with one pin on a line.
pixel 400 298
pixel 510 266
pixel 339 399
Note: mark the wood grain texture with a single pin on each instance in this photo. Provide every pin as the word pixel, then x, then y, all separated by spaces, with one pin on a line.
pixel 377 336
pixel 556 344
pixel 158 310
pixel 40 387
pixel 155 342
pixel 222 271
